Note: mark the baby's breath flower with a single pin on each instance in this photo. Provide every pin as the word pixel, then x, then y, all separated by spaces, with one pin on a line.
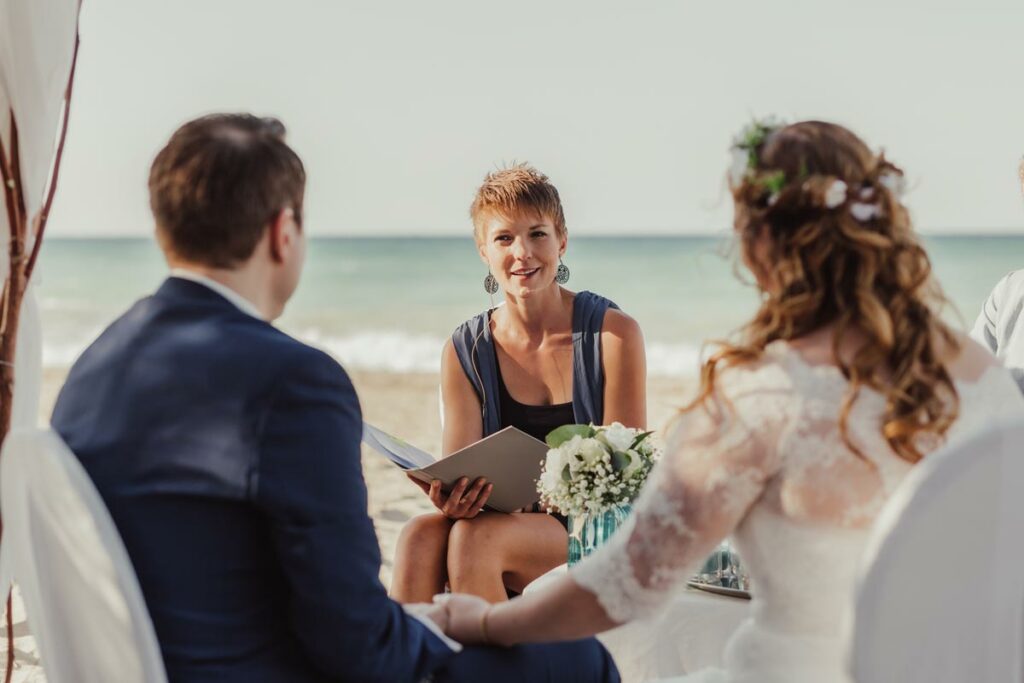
pixel 590 475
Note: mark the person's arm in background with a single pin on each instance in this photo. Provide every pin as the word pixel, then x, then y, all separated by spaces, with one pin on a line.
pixel 985 330
pixel 310 486
pixel 625 370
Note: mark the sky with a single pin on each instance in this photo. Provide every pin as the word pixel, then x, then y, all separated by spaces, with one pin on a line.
pixel 399 109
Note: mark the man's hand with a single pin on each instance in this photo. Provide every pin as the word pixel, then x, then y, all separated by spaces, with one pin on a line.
pixel 464 501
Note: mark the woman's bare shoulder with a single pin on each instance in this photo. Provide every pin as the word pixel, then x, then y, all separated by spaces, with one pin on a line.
pixel 621 325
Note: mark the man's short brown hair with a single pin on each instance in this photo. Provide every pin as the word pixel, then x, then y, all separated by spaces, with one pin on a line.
pixel 508 192
pixel 218 183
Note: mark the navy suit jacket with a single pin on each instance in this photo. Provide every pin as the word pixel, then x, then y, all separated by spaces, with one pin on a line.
pixel 228 455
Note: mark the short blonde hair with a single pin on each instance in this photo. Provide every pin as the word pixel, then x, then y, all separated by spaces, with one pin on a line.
pixel 508 192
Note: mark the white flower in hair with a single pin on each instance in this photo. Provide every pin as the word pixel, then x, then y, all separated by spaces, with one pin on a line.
pixel 894 182
pixel 836 194
pixel 865 212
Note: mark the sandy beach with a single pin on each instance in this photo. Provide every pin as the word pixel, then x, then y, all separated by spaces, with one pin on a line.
pixel 407 404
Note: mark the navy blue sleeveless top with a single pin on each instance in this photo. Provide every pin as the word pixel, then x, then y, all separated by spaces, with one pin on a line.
pixel 475 349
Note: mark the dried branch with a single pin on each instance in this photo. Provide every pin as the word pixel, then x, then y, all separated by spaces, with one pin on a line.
pixel 44 213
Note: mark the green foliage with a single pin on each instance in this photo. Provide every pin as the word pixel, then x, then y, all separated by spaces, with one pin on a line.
pixel 639 439
pixel 558 436
pixel 773 182
pixel 620 460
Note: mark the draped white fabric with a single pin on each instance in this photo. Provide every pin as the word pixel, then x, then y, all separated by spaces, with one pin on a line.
pixel 37 41
pixel 81 595
pixel 28 364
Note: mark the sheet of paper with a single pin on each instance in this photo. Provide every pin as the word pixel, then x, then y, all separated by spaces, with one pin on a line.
pixel 399 452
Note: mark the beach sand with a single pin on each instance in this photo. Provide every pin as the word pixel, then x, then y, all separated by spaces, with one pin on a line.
pixel 408 405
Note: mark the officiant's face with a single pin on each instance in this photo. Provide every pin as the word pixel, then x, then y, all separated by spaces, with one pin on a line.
pixel 522 252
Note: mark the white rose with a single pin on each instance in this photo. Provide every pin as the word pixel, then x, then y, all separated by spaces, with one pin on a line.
pixel 636 461
pixel 619 438
pixel 550 480
pixel 864 212
pixel 572 445
pixel 836 194
pixel 555 461
pixel 592 451
pixel 568 451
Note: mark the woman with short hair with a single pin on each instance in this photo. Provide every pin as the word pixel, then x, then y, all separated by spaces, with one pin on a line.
pixel 545 358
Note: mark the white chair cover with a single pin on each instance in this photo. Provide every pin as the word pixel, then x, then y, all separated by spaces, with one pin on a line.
pixel 81 596
pixel 941 597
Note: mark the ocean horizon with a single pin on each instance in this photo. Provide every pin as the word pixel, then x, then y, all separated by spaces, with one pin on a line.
pixel 388 303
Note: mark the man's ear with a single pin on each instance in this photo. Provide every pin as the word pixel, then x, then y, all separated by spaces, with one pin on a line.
pixel 280 236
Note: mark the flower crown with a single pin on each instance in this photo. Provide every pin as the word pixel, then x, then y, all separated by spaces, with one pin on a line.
pixel 863 205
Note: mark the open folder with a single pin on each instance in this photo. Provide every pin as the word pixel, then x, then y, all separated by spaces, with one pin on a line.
pixel 509 459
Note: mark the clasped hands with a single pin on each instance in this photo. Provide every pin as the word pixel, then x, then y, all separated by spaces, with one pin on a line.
pixel 462 502
pixel 462 617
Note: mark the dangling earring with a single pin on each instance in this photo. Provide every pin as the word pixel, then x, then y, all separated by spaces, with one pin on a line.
pixel 490 283
pixel 562 274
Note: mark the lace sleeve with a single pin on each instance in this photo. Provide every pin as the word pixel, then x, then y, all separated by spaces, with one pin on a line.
pixel 715 466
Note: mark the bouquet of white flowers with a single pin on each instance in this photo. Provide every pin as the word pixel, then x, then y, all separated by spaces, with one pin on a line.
pixel 592 469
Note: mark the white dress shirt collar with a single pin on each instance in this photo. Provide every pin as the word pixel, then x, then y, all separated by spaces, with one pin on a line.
pixel 231 295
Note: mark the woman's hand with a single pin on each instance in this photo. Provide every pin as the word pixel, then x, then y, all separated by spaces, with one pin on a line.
pixel 466 617
pixel 463 502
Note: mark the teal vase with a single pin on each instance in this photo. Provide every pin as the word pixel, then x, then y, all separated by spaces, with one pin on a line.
pixel 590 531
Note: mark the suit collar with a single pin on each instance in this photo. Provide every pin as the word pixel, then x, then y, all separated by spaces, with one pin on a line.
pixel 189 291
pixel 231 295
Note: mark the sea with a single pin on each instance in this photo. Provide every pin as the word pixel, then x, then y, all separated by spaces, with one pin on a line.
pixel 387 304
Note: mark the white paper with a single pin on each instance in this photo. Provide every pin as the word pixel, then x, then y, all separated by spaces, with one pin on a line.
pixel 403 454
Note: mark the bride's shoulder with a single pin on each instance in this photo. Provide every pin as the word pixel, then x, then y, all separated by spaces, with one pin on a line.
pixel 758 386
pixel 770 369
pixel 966 360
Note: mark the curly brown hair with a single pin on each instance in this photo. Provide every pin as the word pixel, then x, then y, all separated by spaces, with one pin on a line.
pixel 828 267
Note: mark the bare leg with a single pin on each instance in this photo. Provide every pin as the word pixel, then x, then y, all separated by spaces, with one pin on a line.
pixel 492 551
pixel 420 559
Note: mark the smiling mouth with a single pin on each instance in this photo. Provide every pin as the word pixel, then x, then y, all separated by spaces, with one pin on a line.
pixel 526 272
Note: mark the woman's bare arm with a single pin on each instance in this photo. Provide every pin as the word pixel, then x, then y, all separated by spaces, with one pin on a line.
pixel 463 425
pixel 625 370
pixel 463 422
pixel 560 610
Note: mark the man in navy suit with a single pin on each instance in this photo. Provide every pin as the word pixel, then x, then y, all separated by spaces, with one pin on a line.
pixel 228 452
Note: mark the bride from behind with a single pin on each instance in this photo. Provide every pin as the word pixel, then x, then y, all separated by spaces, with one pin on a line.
pixel 803 425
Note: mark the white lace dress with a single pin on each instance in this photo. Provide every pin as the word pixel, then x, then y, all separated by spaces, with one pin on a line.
pixel 773 471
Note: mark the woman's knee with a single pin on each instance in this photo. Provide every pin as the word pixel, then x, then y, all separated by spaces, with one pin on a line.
pixel 477 539
pixel 426 531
